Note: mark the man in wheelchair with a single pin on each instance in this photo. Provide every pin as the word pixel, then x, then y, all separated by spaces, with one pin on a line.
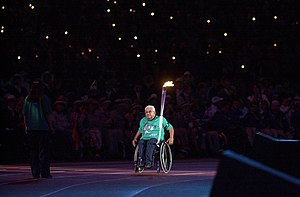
pixel 149 135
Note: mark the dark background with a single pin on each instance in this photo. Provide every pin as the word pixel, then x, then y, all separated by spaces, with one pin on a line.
pixel 91 47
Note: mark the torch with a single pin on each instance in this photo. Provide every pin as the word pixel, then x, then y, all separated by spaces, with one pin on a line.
pixel 162 106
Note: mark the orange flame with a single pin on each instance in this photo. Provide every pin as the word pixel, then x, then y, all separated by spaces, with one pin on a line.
pixel 168 84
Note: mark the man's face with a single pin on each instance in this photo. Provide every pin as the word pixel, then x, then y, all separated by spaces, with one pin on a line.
pixel 150 113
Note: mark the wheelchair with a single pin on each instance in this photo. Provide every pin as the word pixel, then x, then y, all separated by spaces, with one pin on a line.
pixel 162 158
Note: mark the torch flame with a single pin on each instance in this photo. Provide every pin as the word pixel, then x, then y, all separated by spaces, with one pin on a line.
pixel 168 84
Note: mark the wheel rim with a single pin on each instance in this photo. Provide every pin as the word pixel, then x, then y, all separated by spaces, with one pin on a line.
pixel 166 158
pixel 135 157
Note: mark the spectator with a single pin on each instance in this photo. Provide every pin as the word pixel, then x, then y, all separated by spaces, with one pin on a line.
pixel 137 94
pixel 295 120
pixel 252 122
pixel 16 87
pixel 212 109
pixel 256 95
pixel 94 136
pixel 223 122
pixel 276 124
pixel 76 130
pixel 62 136
pixel 12 139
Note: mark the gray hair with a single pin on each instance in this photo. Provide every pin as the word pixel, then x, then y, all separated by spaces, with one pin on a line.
pixel 150 106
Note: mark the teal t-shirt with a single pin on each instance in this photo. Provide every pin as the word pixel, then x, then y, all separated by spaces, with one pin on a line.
pixel 150 128
pixel 35 113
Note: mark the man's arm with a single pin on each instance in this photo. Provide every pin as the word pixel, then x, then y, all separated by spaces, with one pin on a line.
pixel 136 137
pixel 171 138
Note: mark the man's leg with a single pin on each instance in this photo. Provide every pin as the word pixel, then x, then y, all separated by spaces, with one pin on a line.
pixel 142 146
pixel 34 154
pixel 151 145
pixel 44 154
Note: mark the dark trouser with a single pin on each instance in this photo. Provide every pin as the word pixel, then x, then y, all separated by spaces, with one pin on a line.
pixel 146 150
pixel 39 153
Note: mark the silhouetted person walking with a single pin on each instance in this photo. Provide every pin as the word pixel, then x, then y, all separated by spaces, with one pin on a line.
pixel 36 110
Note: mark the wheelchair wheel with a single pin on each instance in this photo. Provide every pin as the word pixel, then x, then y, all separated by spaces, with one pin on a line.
pixel 136 161
pixel 165 156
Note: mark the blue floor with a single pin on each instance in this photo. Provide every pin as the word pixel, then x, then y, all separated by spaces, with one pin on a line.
pixel 112 179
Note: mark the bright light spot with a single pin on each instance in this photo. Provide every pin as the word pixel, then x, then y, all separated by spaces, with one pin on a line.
pixel 115 2
pixel 82 53
pixel 144 4
pixel 36 56
pixel 242 66
pixel 47 37
pixel 225 34
pixel 2 27
pixel 90 50
pixel 275 17
pixel 168 84
pixel 2 30
pixel 135 37
pixel 207 52
pixel 113 24
pixel 173 58
pixel 3 7
pixel 155 50
pixel 220 51
pixel 108 10
pixel 130 10
pixel 66 32
pixel 171 17
pixel 120 38
pixel 31 6
pixel 152 13
pixel 131 46
pixel 208 21
pixel 138 55
pixel 98 57
pixel 253 18
pixel 19 57
pixel 275 45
